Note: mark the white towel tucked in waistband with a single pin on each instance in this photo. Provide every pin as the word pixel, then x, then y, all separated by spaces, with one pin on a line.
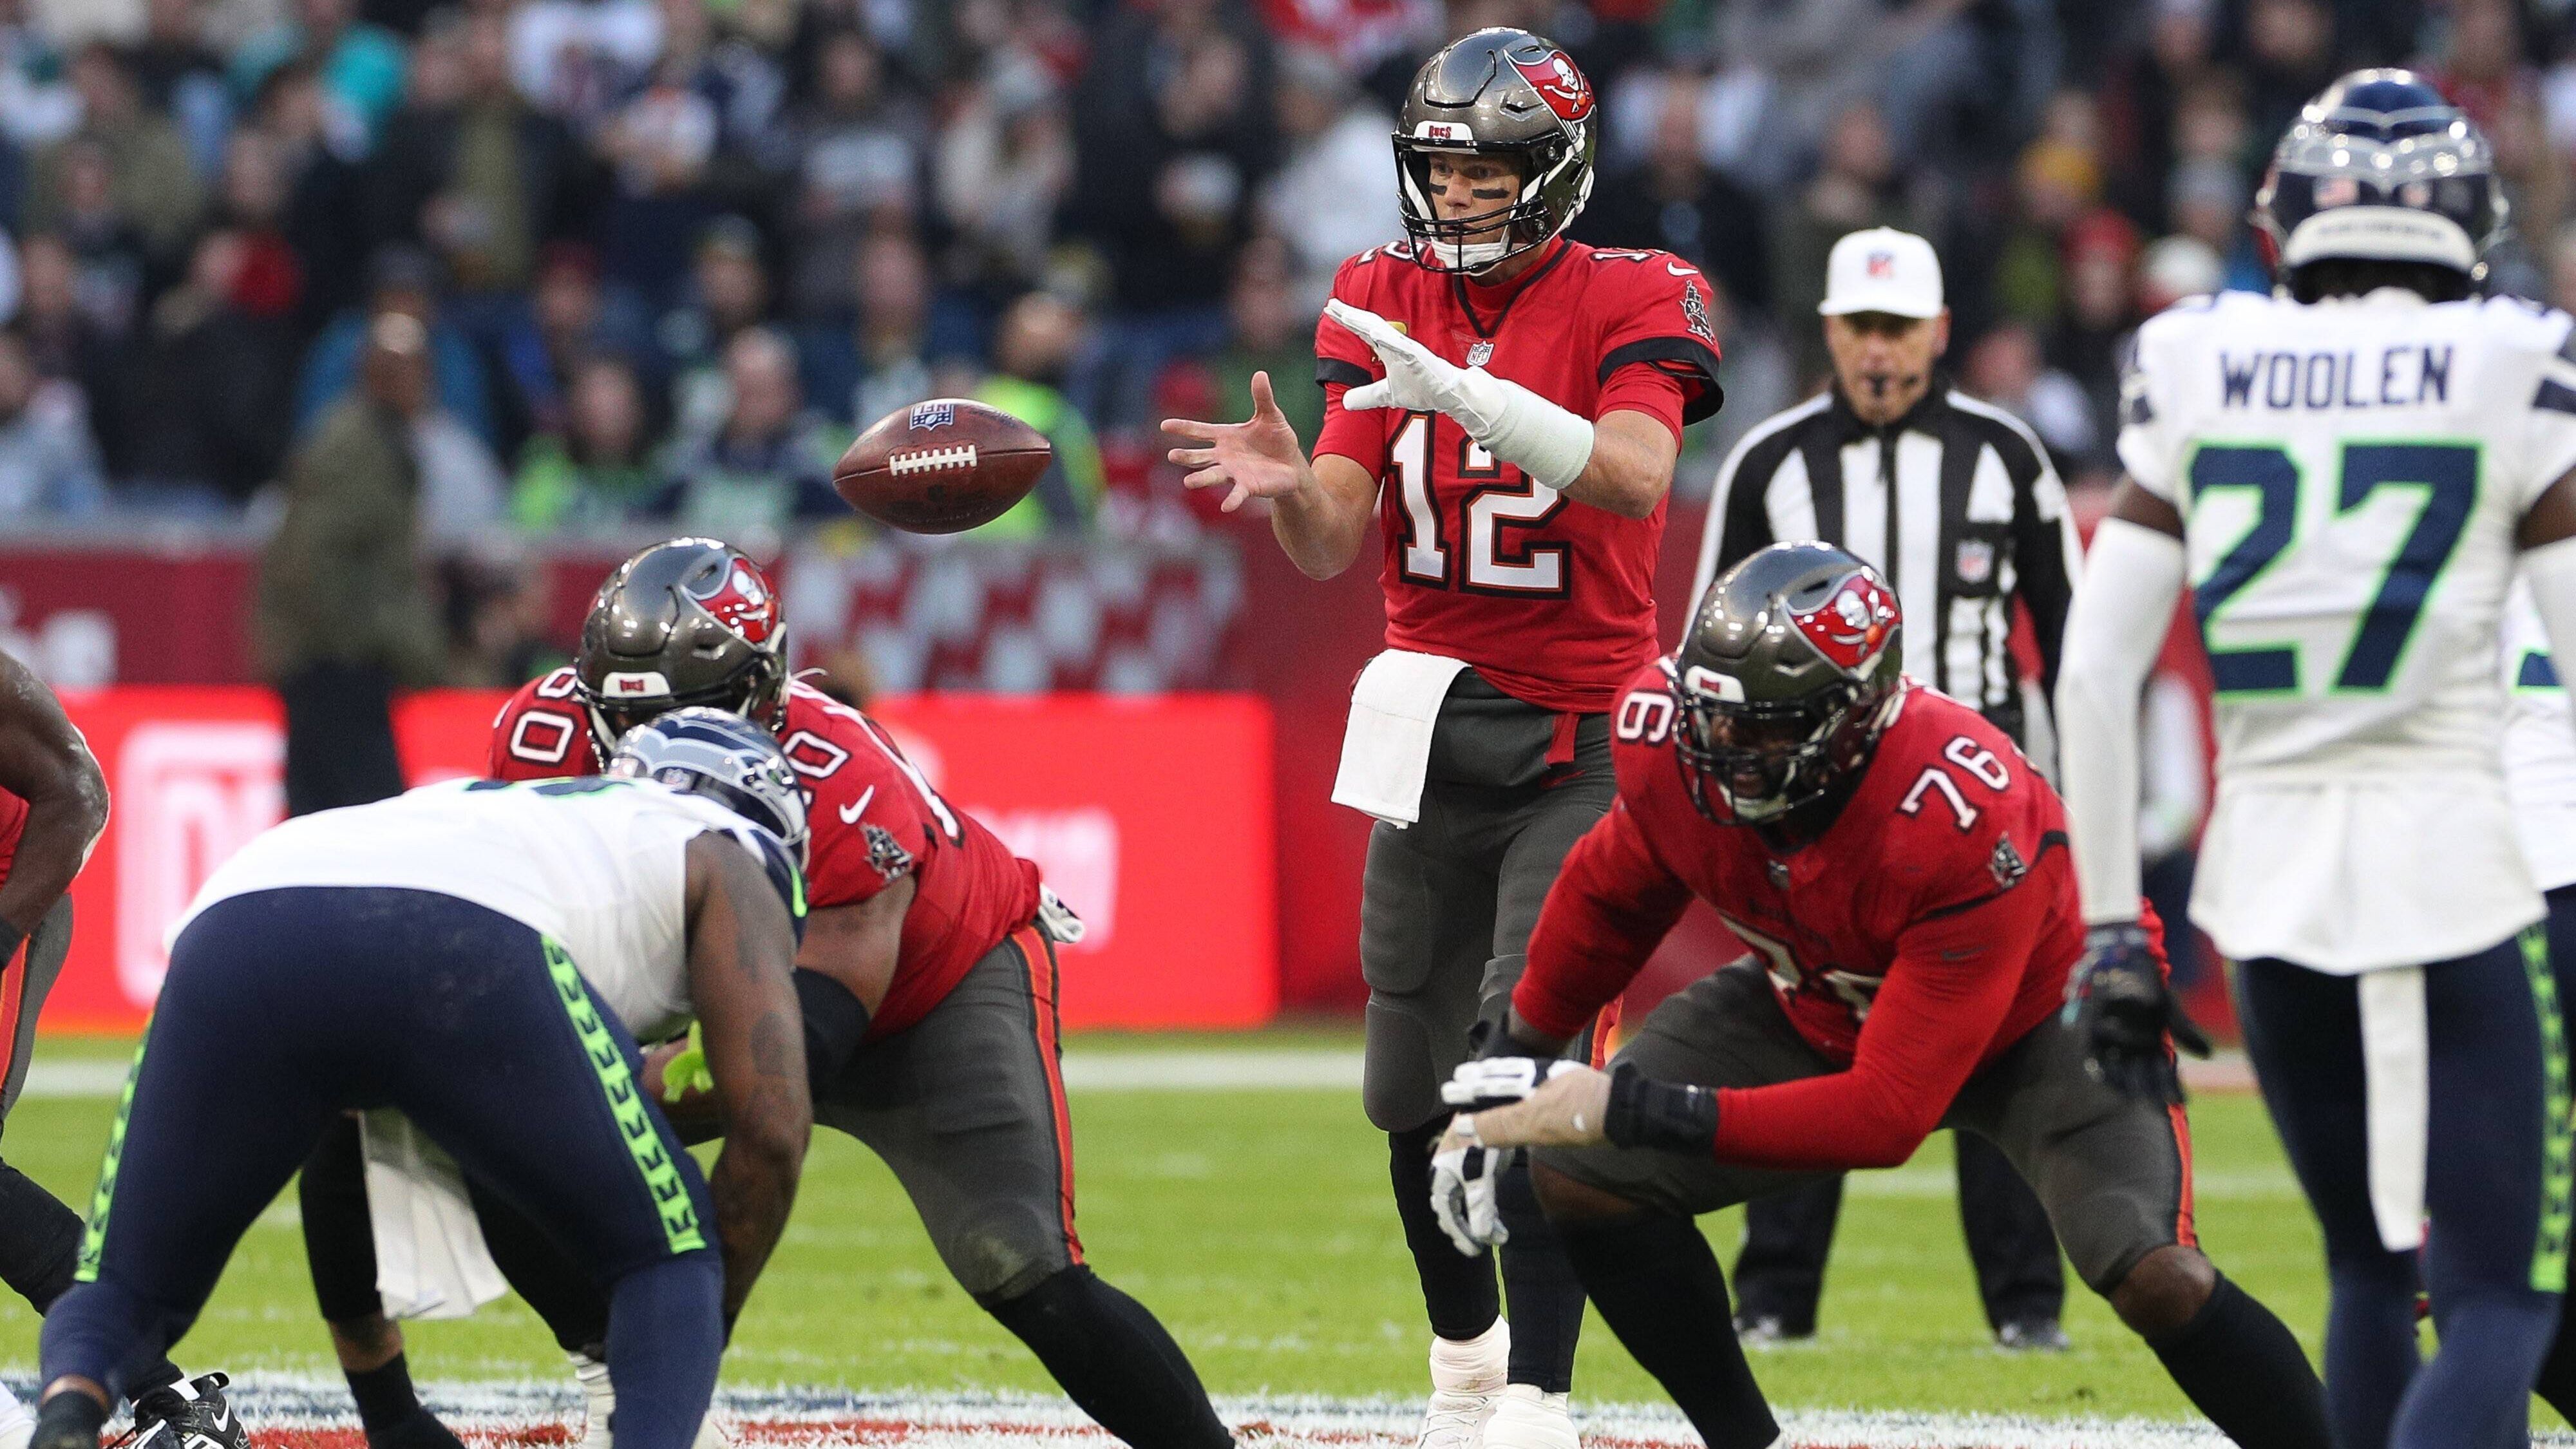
pixel 1387 749
pixel 431 1261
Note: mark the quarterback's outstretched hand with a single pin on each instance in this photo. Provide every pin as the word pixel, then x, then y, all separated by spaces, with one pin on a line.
pixel 2116 997
pixel 1261 458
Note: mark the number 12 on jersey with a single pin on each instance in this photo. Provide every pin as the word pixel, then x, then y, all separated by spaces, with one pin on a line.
pixel 1493 565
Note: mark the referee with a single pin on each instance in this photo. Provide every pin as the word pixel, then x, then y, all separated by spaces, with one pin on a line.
pixel 1955 502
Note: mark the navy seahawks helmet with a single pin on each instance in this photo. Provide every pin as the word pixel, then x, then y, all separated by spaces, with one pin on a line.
pixel 2379 167
pixel 728 759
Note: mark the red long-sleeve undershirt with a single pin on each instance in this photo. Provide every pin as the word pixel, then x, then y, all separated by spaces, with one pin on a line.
pixel 1944 999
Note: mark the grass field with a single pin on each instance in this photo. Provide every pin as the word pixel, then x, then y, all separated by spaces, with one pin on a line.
pixel 1256 1223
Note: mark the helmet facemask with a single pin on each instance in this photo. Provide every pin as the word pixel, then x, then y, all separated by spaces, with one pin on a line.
pixel 1750 763
pixel 1443 243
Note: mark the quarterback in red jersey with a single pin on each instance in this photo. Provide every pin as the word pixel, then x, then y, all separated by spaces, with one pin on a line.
pixel 927 976
pixel 1902 875
pixel 1508 405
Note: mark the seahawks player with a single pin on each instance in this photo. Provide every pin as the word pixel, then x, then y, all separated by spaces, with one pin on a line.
pixel 482 956
pixel 2347 474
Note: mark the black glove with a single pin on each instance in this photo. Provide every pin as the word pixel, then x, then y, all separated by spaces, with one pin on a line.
pixel 2116 997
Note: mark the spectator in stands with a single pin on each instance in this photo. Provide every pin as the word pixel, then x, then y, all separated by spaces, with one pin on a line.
pixel 1270 332
pixel 576 58
pixel 479 178
pixel 2140 102
pixel 182 77
pixel 1854 188
pixel 1173 129
pixel 2290 56
pixel 598 473
pixel 1003 165
pixel 729 294
pixel 196 415
pixel 2006 368
pixel 497 611
pixel 2099 310
pixel 2209 198
pixel 1032 352
pixel 114 263
pixel 125 176
pixel 1675 201
pixel 37 106
pixel 860 373
pixel 251 201
pixel 701 134
pixel 49 467
pixel 64 341
pixel 404 280
pixel 1335 195
pixel 324 191
pixel 360 66
pixel 858 168
pixel 343 615
pixel 768 465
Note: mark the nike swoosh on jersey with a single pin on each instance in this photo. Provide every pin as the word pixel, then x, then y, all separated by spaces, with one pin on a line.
pixel 1679 270
pixel 850 813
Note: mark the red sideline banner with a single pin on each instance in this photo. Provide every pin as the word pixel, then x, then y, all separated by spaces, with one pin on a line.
pixel 1152 818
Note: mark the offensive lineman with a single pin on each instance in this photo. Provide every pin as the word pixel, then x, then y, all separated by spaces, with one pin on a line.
pixel 1898 868
pixel 927 979
pixel 53 808
pixel 2345 472
pixel 481 956
pixel 1509 405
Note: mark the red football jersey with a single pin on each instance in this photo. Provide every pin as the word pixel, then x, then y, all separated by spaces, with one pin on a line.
pixel 1930 927
pixel 874 820
pixel 1553 601
pixel 13 824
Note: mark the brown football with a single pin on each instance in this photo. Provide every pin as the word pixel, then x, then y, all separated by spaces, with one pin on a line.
pixel 942 466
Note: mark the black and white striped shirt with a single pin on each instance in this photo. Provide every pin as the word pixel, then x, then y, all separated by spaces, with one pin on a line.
pixel 1955 502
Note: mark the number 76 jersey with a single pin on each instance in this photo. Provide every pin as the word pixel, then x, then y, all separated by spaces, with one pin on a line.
pixel 2351 475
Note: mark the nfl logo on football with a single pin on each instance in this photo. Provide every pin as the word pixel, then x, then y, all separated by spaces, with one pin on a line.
pixel 926 416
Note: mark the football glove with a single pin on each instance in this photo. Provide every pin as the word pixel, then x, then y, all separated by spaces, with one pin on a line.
pixel 687 1072
pixel 1550 444
pixel 1463 1176
pixel 2116 997
pixel 1499 1081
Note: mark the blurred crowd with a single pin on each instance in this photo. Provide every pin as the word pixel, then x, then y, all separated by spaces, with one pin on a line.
pixel 661 259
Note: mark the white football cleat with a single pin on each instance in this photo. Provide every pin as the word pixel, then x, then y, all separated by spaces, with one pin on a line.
pixel 1527 1417
pixel 711 1435
pixel 598 1399
pixel 1467 1379
pixel 17 1424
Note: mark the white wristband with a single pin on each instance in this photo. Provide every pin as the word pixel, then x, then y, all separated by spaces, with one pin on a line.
pixel 1548 443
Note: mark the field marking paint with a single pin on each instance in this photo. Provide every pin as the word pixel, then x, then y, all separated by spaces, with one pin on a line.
pixel 288 1411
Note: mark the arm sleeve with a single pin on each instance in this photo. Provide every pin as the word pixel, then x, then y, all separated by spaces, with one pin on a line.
pixel 1612 903
pixel 1946 995
pixel 2114 631
pixel 1739 520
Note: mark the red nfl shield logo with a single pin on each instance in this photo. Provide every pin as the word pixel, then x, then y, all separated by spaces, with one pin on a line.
pixel 1882 265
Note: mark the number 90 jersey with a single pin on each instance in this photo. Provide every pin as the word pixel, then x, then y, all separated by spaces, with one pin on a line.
pixel 2351 474
pixel 1551 601
pixel 874 819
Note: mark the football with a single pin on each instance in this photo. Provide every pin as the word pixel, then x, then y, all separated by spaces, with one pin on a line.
pixel 942 466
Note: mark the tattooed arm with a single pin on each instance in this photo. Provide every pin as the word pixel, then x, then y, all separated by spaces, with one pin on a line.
pixel 741 950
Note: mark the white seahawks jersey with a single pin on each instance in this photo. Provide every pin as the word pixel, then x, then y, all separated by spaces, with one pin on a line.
pixel 2539 747
pixel 2350 475
pixel 598 865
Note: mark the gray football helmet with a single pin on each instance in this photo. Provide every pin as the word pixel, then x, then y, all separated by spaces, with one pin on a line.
pixel 1507 94
pixel 1782 685
pixel 687 622
pixel 2379 167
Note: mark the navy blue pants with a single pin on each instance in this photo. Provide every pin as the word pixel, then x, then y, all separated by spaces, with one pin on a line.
pixel 2496 1184
pixel 285 1007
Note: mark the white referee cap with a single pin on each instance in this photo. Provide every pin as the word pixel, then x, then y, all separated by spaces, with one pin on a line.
pixel 1882 270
